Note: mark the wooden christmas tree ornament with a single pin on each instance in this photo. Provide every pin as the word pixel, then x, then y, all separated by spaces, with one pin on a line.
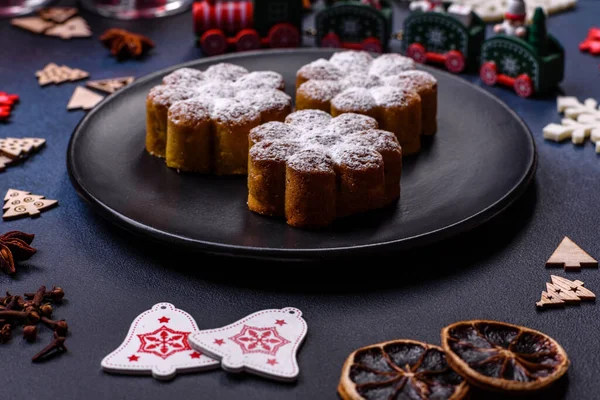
pixel 565 295
pixel 570 256
pixel 74 28
pixel 32 24
pixel 14 150
pixel 57 14
pixel 575 287
pixel 19 203
pixel 4 162
pixel 548 301
pixel 84 98
pixel 110 85
pixel 52 73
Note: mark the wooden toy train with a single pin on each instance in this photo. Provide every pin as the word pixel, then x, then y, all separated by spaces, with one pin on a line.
pixel 453 37
pixel 532 64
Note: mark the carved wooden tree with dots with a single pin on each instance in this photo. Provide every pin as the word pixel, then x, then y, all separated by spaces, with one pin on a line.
pixel 19 203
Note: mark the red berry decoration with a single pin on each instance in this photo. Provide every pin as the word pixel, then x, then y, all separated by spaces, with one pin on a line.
pixel 6 103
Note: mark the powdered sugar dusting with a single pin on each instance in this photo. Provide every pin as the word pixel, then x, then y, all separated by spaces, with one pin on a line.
pixel 311 160
pixel 165 95
pixel 232 111
pixel 391 64
pixel 274 150
pixel 352 61
pixel 274 131
pixel 265 100
pixel 225 72
pixel 184 76
pixel 351 140
pixel 356 157
pixel 320 90
pixel 392 97
pixel 354 100
pixel 224 81
pixel 361 80
pixel 348 123
pixel 260 80
pixel 308 119
pixel 417 80
pixel 320 69
pixel 192 111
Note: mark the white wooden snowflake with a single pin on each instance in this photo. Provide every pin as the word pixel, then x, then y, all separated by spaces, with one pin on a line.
pixel 510 65
pixel 493 10
pixel 436 37
pixel 582 120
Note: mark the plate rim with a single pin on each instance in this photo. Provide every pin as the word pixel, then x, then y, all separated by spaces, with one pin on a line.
pixel 147 232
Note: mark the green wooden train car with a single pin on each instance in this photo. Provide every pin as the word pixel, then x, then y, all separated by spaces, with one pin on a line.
pixel 351 24
pixel 439 37
pixel 530 65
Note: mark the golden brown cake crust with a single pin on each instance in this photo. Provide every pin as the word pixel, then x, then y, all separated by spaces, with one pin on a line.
pixel 387 88
pixel 232 99
pixel 315 168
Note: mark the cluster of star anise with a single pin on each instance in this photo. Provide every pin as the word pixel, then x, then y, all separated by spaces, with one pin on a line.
pixel 15 247
pixel 28 310
pixel 124 44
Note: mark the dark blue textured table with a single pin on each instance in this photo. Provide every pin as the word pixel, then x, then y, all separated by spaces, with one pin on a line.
pixel 494 272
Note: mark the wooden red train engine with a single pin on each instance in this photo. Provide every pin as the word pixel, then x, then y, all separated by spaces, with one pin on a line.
pixel 247 25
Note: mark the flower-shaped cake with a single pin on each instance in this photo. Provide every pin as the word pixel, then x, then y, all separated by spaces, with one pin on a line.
pixel 387 88
pixel 315 168
pixel 199 121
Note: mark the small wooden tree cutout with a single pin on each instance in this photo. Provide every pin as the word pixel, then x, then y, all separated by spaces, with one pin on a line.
pixel 548 300
pixel 110 85
pixel 563 291
pixel 84 99
pixel 570 256
pixel 52 73
pixel 32 24
pixel 4 162
pixel 19 203
pixel 74 28
pixel 57 14
pixel 575 287
pixel 13 150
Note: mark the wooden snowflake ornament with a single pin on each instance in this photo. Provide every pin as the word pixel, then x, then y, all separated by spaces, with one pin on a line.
pixel 582 121
pixel 18 204
pixel 264 343
pixel 570 256
pixel 158 344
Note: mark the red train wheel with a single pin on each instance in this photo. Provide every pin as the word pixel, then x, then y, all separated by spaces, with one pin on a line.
pixel 372 44
pixel 417 52
pixel 247 39
pixel 523 86
pixel 488 73
pixel 455 61
pixel 331 40
pixel 284 35
pixel 213 42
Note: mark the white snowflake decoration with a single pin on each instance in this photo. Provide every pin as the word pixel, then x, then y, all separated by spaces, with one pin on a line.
pixel 350 27
pixel 582 121
pixel 510 65
pixel 436 37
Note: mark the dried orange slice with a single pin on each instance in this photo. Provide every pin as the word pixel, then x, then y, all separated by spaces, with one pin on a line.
pixel 400 369
pixel 503 357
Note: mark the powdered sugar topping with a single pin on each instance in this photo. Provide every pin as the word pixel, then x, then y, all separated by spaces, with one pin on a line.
pixel 352 61
pixel 391 64
pixel 417 80
pixel 354 99
pixel 184 76
pixel 232 111
pixel 225 72
pixel 315 141
pixel 165 95
pixel 320 69
pixel 192 111
pixel 260 80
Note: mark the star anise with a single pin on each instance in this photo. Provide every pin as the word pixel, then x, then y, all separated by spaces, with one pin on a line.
pixel 124 44
pixel 15 246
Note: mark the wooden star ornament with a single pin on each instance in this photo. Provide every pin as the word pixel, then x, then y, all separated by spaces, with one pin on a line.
pixel 124 44
pixel 19 203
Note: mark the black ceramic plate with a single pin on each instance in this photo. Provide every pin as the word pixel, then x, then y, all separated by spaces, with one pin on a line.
pixel 481 160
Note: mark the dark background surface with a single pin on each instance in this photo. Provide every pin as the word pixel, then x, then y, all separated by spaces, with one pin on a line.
pixel 495 272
